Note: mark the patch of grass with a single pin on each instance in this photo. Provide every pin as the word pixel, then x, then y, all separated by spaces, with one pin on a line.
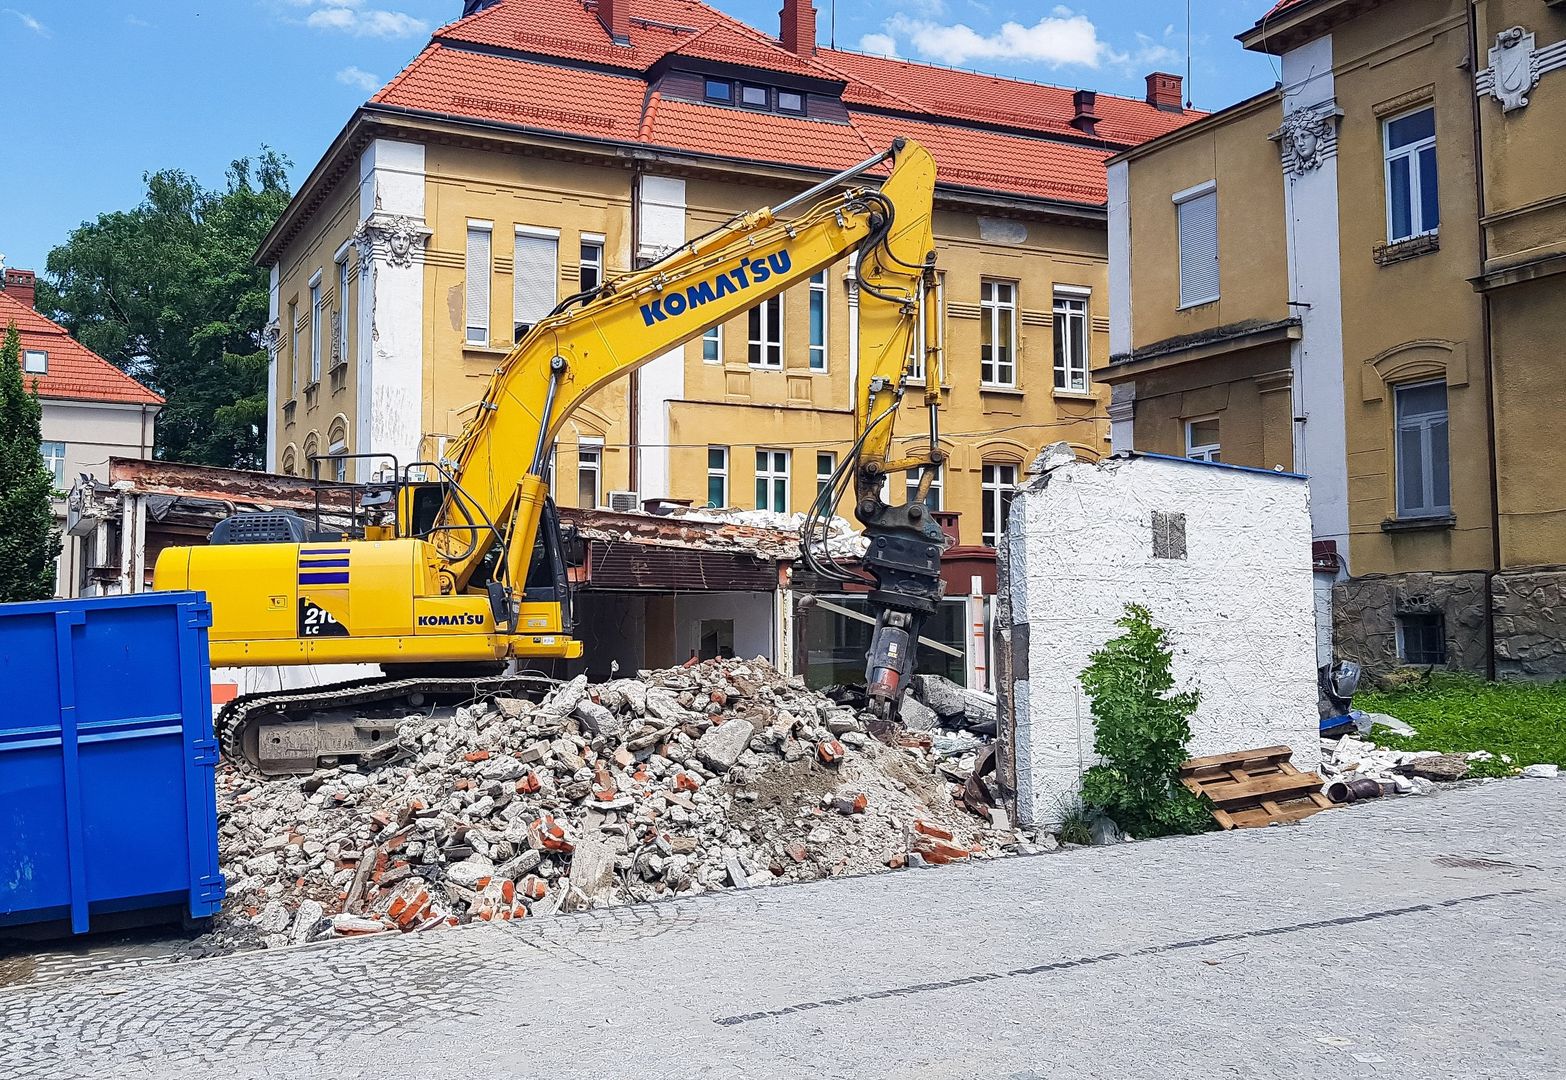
pixel 1461 714
pixel 1076 823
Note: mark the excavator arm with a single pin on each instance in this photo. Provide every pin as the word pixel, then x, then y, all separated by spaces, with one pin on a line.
pixel 595 338
pixel 443 597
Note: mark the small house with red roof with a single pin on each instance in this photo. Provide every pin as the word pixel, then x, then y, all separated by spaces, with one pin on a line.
pixel 92 411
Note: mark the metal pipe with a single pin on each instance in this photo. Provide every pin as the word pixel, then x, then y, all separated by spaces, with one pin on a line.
pixel 557 366
pixel 832 182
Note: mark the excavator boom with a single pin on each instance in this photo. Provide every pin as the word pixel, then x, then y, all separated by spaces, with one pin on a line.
pixel 470 568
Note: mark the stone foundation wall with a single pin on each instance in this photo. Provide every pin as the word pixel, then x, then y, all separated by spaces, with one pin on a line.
pixel 1530 620
pixel 1530 623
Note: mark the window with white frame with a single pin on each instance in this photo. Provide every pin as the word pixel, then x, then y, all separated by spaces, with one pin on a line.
pixel 480 262
pixel 295 327
pixel 315 328
pixel 592 269
pixel 1071 339
pixel 338 452
pixel 589 473
pixel 933 500
pixel 549 469
pixel 534 272
pixel 1424 467
pixel 342 309
pixel 1197 212
pixel 54 461
pixel 826 465
pixel 998 484
pixel 712 345
pixel 1201 439
pixel 998 333
pixel 35 361
pixel 766 334
pixel 818 321
pixel 717 476
pixel 1413 190
pixel 772 480
pixel 937 297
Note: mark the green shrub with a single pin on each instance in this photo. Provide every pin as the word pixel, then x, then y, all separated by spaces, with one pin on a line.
pixel 1142 729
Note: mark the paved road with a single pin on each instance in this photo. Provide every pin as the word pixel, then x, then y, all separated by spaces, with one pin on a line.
pixel 1413 938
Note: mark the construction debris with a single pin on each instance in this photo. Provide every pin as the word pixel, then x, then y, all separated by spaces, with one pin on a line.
pixel 724 774
pixel 1403 772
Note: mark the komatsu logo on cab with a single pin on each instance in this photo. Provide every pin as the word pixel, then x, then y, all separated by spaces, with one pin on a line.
pixel 749 272
pixel 451 620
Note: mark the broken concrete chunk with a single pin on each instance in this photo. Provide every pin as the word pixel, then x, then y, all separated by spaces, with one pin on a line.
pixel 720 748
pixel 1443 767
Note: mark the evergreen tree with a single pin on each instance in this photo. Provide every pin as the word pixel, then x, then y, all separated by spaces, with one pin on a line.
pixel 29 542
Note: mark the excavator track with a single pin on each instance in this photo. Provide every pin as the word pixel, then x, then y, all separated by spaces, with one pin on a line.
pixel 294 732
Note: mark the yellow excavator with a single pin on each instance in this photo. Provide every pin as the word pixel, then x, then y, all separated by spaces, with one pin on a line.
pixel 461 570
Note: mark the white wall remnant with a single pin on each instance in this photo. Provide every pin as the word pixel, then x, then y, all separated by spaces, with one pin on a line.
pixel 1226 569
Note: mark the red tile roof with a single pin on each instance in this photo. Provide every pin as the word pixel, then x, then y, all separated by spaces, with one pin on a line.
pixel 991 99
pixel 75 372
pixel 549 65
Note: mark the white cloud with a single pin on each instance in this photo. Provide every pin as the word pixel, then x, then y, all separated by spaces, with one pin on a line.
pixel 879 44
pixel 28 21
pixel 365 22
pixel 354 76
pixel 1058 39
pixel 138 21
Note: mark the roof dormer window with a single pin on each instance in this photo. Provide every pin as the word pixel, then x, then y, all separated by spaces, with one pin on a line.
pixel 790 102
pixel 754 97
pixel 720 91
pixel 36 361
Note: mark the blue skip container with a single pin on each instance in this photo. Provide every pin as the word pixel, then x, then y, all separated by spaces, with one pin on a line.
pixel 107 796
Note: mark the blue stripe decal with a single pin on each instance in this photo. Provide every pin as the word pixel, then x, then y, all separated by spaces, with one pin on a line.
pixel 306 578
pixel 323 551
pixel 313 564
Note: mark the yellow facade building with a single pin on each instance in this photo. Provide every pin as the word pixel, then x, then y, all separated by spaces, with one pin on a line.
pixel 537 146
pixel 1357 277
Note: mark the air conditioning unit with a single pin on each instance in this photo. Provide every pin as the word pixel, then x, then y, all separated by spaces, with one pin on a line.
pixel 624 502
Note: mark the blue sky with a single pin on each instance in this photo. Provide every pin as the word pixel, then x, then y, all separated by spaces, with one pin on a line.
pixel 99 92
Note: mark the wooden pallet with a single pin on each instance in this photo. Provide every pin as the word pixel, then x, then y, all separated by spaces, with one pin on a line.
pixel 1253 788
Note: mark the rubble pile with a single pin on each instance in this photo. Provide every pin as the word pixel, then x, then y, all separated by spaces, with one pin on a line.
pixel 1405 772
pixel 720 775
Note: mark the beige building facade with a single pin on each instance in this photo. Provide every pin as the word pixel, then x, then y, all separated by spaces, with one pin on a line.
pixel 1356 277
pixel 431 233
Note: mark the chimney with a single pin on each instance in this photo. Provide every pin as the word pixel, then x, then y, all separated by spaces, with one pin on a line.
pixel 1164 91
pixel 1085 105
pixel 798 33
pixel 616 17
pixel 21 286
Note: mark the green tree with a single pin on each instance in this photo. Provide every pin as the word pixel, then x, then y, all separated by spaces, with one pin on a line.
pixel 168 292
pixel 29 542
pixel 1142 730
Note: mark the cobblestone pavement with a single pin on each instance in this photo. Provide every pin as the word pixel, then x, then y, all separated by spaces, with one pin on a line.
pixel 1420 937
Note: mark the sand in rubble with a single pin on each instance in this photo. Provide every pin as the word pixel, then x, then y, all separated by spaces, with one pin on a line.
pixel 720 775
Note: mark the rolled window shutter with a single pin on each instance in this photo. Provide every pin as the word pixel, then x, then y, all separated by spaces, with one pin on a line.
pixel 1199 249
pixel 479 264
pixel 537 270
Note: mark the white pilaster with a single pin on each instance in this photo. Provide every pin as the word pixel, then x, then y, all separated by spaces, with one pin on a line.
pixel 1120 259
pixel 390 240
pixel 661 224
pixel 1315 286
